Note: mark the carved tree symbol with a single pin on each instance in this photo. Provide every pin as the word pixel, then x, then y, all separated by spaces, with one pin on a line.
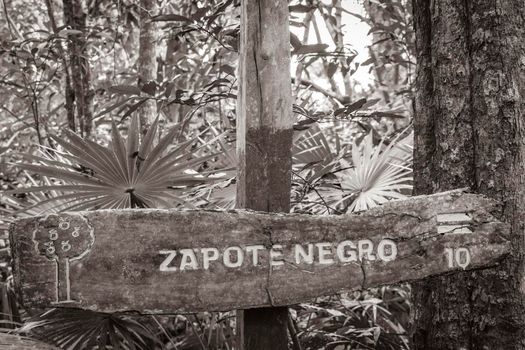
pixel 62 239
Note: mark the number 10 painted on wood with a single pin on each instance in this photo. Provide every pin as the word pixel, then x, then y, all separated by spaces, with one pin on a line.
pixel 158 261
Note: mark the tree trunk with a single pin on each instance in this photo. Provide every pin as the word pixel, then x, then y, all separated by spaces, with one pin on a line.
pixel 147 61
pixel 68 89
pixel 470 91
pixel 82 93
pixel 175 50
pixel 264 143
pixel 340 48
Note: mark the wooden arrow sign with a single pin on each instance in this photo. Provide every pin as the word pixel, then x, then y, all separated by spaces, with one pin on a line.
pixel 160 261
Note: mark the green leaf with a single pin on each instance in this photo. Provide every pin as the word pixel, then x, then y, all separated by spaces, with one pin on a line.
pixel 150 87
pixel 294 40
pixel 311 48
pixel 133 108
pixel 301 8
pixel 125 89
pixel 170 17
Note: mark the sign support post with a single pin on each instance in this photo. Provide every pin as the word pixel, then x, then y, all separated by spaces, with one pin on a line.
pixel 158 261
pixel 264 143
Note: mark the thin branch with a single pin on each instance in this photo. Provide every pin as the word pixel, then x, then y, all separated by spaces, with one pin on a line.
pixel 13 30
pixel 338 98
pixel 293 333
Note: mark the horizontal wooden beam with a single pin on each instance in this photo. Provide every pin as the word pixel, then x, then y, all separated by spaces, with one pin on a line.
pixel 160 261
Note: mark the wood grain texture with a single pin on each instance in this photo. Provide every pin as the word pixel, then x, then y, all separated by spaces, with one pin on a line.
pixel 121 269
pixel 264 142
pixel 264 108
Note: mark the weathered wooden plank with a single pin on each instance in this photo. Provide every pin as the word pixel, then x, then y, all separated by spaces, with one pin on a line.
pixel 160 261
pixel 264 143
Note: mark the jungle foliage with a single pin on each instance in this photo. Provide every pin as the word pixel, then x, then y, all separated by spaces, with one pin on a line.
pixel 76 134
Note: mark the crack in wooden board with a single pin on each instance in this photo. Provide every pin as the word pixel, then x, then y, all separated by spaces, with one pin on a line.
pixel 122 270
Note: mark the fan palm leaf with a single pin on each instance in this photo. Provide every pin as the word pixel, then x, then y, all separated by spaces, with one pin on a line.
pixel 376 174
pixel 125 174
pixel 74 329
pixel 314 155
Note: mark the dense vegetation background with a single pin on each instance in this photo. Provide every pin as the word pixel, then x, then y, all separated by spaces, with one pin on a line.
pixel 131 104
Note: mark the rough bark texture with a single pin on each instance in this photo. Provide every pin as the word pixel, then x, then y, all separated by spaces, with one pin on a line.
pixel 175 50
pixel 147 61
pixel 264 142
pixel 115 264
pixel 469 132
pixel 80 77
pixel 68 89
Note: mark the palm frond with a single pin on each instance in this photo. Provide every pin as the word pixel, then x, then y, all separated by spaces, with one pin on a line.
pixel 74 329
pixel 375 174
pixel 126 173
pixel 315 156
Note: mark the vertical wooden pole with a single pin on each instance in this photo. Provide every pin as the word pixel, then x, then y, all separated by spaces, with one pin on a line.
pixel 264 142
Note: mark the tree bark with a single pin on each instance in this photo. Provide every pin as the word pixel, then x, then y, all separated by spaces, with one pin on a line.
pixel 175 50
pixel 82 93
pixel 469 131
pixel 68 89
pixel 340 47
pixel 147 61
pixel 264 142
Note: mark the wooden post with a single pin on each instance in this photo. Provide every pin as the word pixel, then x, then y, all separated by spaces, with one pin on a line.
pixel 264 142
